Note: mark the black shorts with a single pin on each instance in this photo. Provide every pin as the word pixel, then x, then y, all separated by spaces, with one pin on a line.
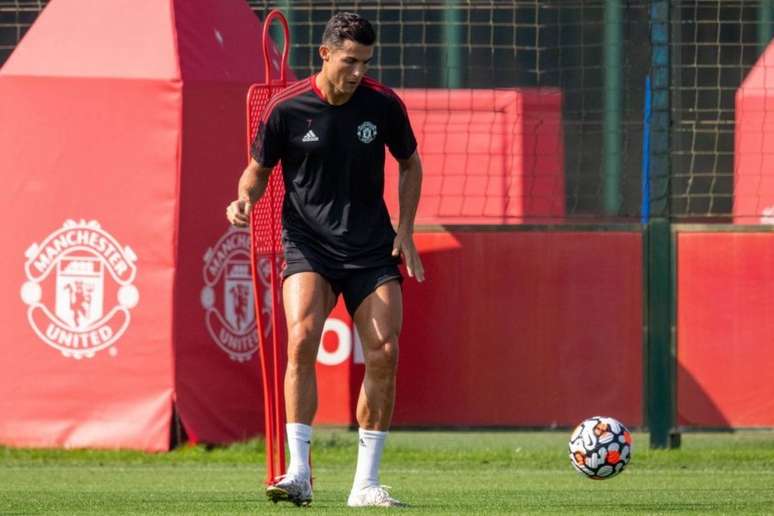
pixel 354 284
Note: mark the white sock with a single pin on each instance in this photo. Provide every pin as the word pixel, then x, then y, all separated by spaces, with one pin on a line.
pixel 369 457
pixel 299 441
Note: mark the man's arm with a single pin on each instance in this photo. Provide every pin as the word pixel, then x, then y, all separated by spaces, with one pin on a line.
pixel 409 188
pixel 252 185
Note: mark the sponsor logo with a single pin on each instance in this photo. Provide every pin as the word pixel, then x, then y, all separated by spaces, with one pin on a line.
pixel 767 215
pixel 366 132
pixel 79 289
pixel 310 137
pixel 348 345
pixel 228 297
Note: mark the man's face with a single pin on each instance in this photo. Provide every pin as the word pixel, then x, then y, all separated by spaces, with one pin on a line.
pixel 345 65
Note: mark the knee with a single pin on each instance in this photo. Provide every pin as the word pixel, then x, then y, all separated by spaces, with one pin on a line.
pixel 303 341
pixel 383 356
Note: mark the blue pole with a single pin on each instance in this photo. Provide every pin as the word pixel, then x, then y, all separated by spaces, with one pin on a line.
pixel 645 209
pixel 660 155
pixel 660 365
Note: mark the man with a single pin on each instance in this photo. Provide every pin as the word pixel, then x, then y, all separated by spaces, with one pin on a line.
pixel 329 131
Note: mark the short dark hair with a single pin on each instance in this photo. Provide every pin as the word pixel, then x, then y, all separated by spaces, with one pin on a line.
pixel 348 26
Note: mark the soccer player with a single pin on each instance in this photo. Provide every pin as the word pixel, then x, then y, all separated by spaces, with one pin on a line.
pixel 329 132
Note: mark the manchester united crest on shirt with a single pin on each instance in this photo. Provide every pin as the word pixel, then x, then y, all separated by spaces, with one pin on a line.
pixel 79 289
pixel 366 132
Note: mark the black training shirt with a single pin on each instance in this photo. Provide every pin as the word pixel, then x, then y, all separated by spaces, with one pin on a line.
pixel 333 167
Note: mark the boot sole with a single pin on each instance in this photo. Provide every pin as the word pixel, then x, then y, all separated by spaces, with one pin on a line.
pixel 277 494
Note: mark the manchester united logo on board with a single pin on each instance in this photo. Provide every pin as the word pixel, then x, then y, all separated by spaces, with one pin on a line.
pixel 227 296
pixel 366 132
pixel 79 289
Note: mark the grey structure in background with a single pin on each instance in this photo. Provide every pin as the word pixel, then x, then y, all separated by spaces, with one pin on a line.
pixel 557 43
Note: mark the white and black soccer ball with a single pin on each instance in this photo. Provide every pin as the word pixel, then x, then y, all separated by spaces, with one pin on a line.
pixel 600 447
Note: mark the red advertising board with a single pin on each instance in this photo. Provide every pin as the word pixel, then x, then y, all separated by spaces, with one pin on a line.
pixel 87 291
pixel 725 291
pixel 511 328
pixel 123 286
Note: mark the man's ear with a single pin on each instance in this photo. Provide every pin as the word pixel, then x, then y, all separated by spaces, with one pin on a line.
pixel 325 52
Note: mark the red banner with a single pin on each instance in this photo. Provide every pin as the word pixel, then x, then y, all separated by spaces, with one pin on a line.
pixel 725 291
pixel 126 291
pixel 511 328
pixel 87 282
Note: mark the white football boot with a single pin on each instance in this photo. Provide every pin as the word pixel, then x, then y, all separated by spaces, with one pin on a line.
pixel 295 489
pixel 373 496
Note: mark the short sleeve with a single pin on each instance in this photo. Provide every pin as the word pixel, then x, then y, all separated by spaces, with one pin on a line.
pixel 400 137
pixel 268 144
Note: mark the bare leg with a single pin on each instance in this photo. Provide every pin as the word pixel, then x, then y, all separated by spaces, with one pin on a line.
pixel 379 319
pixel 308 299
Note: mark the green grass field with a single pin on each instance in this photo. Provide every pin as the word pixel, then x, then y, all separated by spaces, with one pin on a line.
pixel 436 472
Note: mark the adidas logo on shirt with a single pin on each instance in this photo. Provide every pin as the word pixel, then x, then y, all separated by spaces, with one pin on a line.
pixel 310 137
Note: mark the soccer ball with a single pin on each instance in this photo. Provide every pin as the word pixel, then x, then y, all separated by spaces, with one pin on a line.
pixel 600 447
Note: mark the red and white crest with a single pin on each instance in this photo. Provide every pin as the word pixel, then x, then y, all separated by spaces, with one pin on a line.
pixel 230 316
pixel 79 289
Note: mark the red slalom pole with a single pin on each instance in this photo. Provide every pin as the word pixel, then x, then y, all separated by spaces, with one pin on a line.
pixel 266 255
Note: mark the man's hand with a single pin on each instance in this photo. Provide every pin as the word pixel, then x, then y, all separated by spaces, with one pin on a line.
pixel 238 213
pixel 252 184
pixel 404 246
